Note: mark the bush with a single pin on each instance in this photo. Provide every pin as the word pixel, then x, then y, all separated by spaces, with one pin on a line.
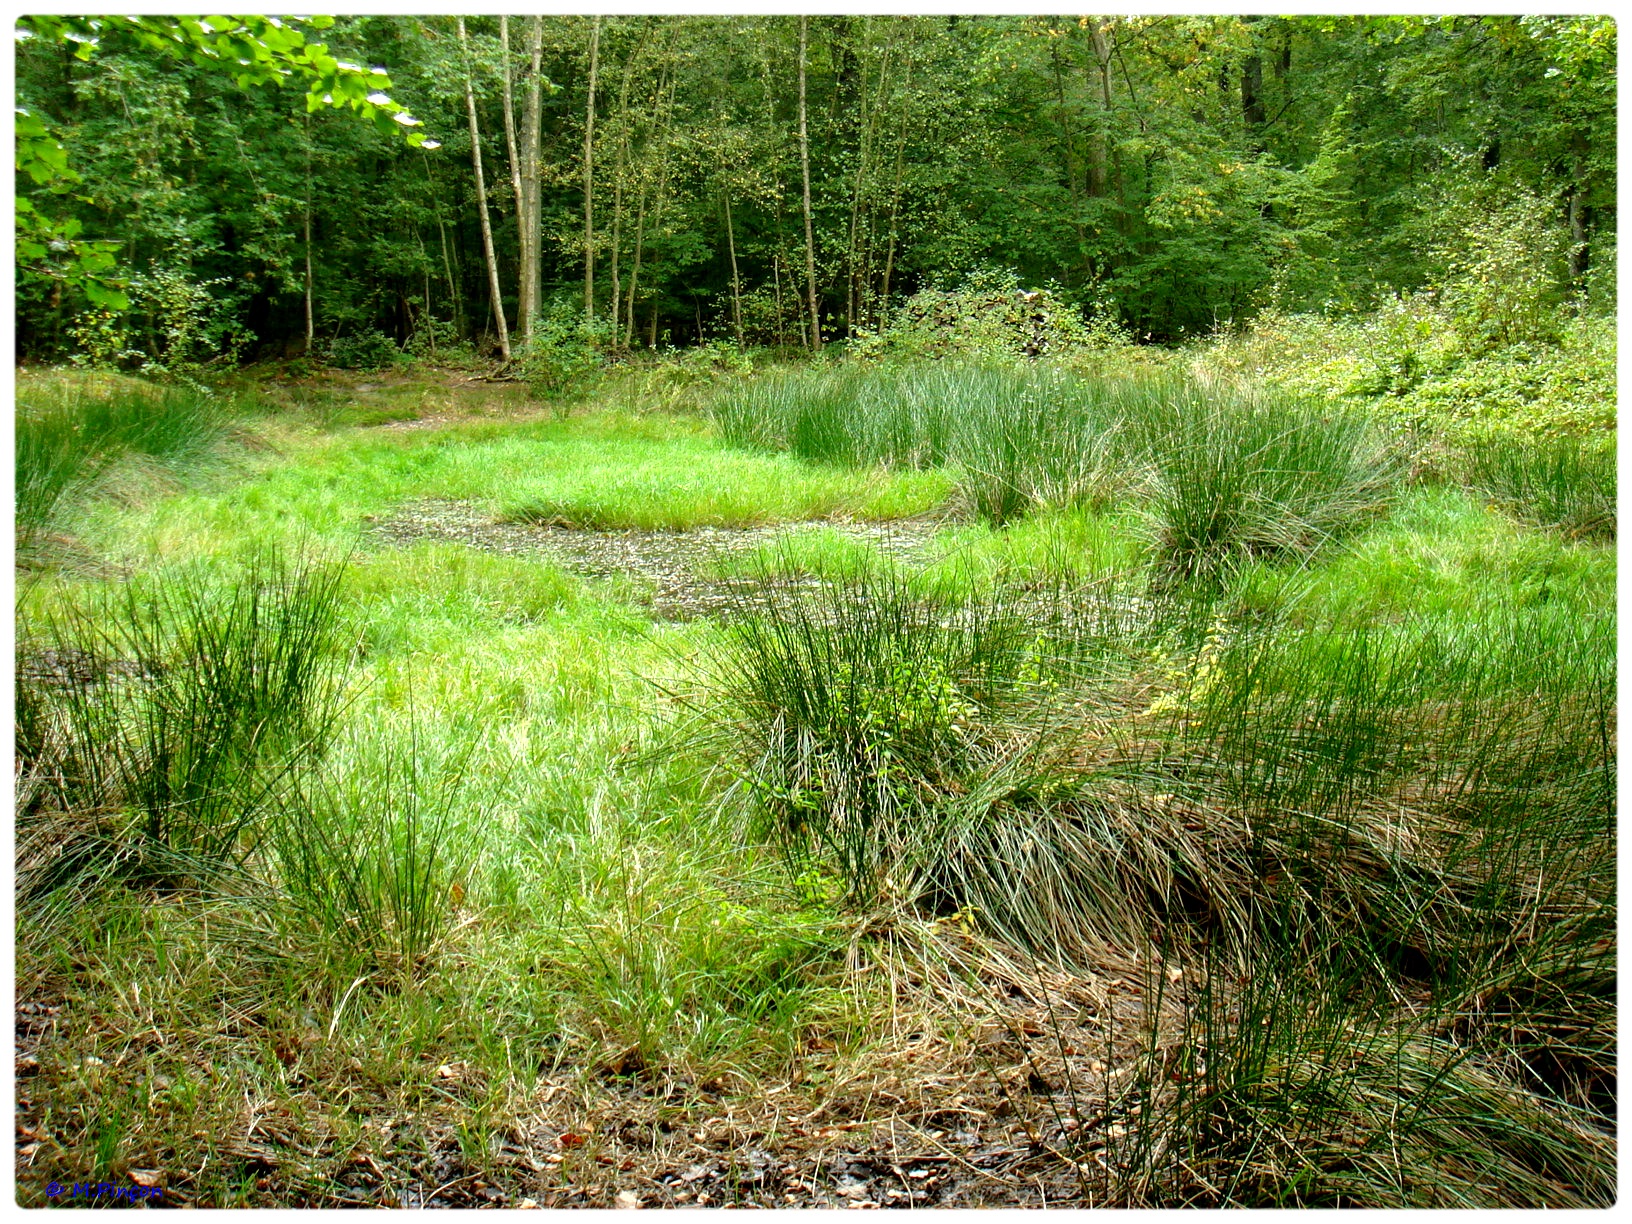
pixel 367 350
pixel 991 318
pixel 174 327
pixel 566 353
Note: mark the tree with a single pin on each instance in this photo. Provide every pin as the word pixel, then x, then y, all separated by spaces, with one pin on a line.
pixel 253 51
pixel 496 294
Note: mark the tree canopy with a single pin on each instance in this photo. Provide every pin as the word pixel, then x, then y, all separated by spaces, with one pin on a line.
pixel 1173 172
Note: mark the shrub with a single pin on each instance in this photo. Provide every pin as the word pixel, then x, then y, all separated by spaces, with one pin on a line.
pixel 174 327
pixel 565 355
pixel 365 350
pixel 990 317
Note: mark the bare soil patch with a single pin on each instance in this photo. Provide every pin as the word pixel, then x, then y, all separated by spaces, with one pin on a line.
pixel 676 567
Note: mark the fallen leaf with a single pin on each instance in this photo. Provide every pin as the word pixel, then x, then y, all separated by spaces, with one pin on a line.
pixel 628 1199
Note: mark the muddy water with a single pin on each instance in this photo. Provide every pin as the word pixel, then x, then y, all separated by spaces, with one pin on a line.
pixel 679 568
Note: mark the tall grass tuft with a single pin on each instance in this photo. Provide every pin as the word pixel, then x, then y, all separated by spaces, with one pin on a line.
pixel 1242 473
pixel 370 857
pixel 67 439
pixel 931 747
pixel 1292 1088
pixel 1418 1010
pixel 166 719
pixel 1566 484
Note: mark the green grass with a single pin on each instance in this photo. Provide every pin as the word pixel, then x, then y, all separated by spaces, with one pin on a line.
pixel 70 434
pixel 1566 484
pixel 561 869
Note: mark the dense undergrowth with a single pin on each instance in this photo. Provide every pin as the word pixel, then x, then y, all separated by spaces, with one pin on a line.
pixel 1294 713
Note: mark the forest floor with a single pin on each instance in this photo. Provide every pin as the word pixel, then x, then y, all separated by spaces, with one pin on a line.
pixel 631 1000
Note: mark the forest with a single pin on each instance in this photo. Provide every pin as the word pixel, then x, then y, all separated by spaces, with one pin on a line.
pixel 835 610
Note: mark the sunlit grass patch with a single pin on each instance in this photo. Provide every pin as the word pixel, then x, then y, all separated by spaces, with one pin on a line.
pixel 1077 544
pixel 1441 554
pixel 675 487
pixel 458 582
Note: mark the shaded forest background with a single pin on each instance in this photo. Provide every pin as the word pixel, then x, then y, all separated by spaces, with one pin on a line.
pixel 1163 174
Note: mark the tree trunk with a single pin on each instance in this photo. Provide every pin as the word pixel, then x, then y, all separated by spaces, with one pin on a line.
pixel 525 322
pixel 804 168
pixel 736 279
pixel 532 194
pixel 895 215
pixel 481 200
pixel 1068 152
pixel 308 349
pixel 634 268
pixel 662 141
pixel 589 171
pixel 1107 155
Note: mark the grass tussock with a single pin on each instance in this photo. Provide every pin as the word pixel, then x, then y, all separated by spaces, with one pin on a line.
pixel 370 858
pixel 161 723
pixel 1566 484
pixel 68 436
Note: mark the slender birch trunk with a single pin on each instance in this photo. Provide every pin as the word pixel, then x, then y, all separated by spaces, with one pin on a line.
pixel 481 200
pixel 309 334
pixel 308 349
pixel 804 167
pixel 530 175
pixel 589 172
pixel 736 280
pixel 524 323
